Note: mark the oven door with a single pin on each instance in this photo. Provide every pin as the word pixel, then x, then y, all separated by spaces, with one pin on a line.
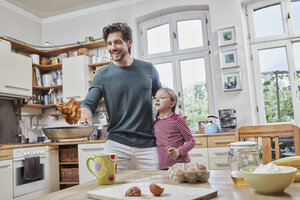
pixel 20 186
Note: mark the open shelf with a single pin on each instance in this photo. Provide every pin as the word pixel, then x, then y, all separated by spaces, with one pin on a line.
pixel 38 105
pixel 100 63
pixel 69 183
pixel 69 163
pixel 47 88
pixel 21 46
pixel 48 67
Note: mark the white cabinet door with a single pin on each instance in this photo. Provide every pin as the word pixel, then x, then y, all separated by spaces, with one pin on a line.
pixel 84 152
pixel 6 179
pixel 200 156
pixel 15 75
pixel 75 77
pixel 52 169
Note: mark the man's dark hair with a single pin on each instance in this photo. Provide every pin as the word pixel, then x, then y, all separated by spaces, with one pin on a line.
pixel 118 27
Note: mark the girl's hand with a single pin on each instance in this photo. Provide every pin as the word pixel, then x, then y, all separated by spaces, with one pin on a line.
pixel 173 152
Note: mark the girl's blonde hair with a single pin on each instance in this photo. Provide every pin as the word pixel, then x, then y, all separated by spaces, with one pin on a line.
pixel 172 95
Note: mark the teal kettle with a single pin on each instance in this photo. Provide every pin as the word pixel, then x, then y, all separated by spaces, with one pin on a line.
pixel 211 127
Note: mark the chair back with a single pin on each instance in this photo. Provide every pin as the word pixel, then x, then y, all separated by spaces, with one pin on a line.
pixel 267 132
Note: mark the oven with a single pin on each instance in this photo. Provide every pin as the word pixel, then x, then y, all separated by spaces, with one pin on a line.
pixel 22 187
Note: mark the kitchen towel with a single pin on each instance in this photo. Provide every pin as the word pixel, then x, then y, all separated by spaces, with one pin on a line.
pixel 32 169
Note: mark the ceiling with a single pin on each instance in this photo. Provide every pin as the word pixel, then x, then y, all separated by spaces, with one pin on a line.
pixel 50 8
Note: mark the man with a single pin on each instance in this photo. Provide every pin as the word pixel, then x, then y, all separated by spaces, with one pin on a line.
pixel 127 85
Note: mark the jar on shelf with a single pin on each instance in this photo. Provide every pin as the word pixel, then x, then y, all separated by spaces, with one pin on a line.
pixel 242 154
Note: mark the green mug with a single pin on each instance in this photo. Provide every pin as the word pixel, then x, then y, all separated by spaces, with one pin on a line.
pixel 105 168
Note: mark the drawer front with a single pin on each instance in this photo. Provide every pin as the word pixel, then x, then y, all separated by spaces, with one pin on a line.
pixel 6 154
pixel 201 142
pixel 218 152
pixel 199 155
pixel 218 163
pixel 220 141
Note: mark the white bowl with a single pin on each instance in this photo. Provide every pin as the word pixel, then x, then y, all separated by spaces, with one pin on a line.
pixel 267 183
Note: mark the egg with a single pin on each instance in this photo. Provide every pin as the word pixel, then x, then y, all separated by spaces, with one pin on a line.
pixel 201 167
pixel 177 170
pixel 156 190
pixel 190 168
pixel 133 191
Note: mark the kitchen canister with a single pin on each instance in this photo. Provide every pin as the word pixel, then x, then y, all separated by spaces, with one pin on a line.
pixel 35 58
pixel 47 80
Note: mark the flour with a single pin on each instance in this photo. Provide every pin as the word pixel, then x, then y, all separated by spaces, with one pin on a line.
pixel 269 168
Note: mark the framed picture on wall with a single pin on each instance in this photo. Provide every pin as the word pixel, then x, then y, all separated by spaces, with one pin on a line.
pixel 227 36
pixel 232 81
pixel 229 58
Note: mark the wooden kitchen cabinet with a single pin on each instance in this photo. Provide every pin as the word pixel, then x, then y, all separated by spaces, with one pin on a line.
pixel 68 166
pixel 76 75
pixel 6 174
pixel 212 150
pixel 15 75
pixel 68 76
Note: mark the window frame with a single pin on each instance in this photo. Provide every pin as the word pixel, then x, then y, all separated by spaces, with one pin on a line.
pixel 177 54
pixel 250 10
pixel 257 78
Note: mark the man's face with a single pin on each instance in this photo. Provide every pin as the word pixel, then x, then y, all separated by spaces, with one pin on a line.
pixel 117 47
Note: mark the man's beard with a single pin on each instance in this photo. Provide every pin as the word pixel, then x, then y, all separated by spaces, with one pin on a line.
pixel 119 59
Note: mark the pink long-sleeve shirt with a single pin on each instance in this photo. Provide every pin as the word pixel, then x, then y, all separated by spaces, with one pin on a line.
pixel 173 132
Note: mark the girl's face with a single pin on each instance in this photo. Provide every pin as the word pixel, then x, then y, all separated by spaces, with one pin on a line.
pixel 163 101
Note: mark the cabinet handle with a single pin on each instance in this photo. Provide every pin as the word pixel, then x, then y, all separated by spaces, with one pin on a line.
pixel 222 165
pixel 3 166
pixel 196 154
pixel 222 154
pixel 14 87
pixel 73 97
pixel 198 143
pixel 4 155
pixel 223 141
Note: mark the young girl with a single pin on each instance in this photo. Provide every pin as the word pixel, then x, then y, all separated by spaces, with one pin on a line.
pixel 173 137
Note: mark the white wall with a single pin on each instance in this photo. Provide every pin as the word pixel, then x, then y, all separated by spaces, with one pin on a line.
pixel 18 26
pixel 223 13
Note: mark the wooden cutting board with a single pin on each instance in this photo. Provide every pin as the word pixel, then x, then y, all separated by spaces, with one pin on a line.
pixel 172 192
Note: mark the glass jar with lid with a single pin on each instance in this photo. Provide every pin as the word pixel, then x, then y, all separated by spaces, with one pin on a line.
pixel 242 154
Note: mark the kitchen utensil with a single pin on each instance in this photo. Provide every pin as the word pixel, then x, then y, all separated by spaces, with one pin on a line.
pixel 172 192
pixel 211 127
pixel 269 183
pixel 105 168
pixel 47 80
pixel 62 133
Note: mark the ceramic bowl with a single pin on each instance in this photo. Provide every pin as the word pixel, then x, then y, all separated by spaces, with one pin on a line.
pixel 267 183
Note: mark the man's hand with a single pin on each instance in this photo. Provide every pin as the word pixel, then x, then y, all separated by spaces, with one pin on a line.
pixel 173 152
pixel 85 118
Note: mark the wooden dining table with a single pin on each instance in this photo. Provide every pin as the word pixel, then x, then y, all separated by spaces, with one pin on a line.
pixel 219 180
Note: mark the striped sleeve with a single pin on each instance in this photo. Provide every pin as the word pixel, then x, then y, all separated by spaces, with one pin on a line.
pixel 189 141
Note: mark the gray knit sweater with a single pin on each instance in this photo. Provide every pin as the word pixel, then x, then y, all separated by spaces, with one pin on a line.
pixel 127 92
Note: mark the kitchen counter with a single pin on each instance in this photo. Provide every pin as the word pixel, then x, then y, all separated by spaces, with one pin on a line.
pixel 220 180
pixel 19 145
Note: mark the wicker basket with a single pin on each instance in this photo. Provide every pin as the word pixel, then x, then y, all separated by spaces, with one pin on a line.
pixel 68 155
pixel 69 174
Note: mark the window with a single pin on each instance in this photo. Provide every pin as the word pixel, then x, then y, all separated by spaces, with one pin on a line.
pixel 275 51
pixel 269 16
pixel 177 45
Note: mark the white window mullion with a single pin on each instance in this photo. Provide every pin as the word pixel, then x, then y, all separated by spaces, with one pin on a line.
pixel 252 31
pixel 191 16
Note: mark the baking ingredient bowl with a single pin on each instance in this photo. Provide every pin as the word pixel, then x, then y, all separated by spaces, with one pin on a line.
pixel 69 133
pixel 269 183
